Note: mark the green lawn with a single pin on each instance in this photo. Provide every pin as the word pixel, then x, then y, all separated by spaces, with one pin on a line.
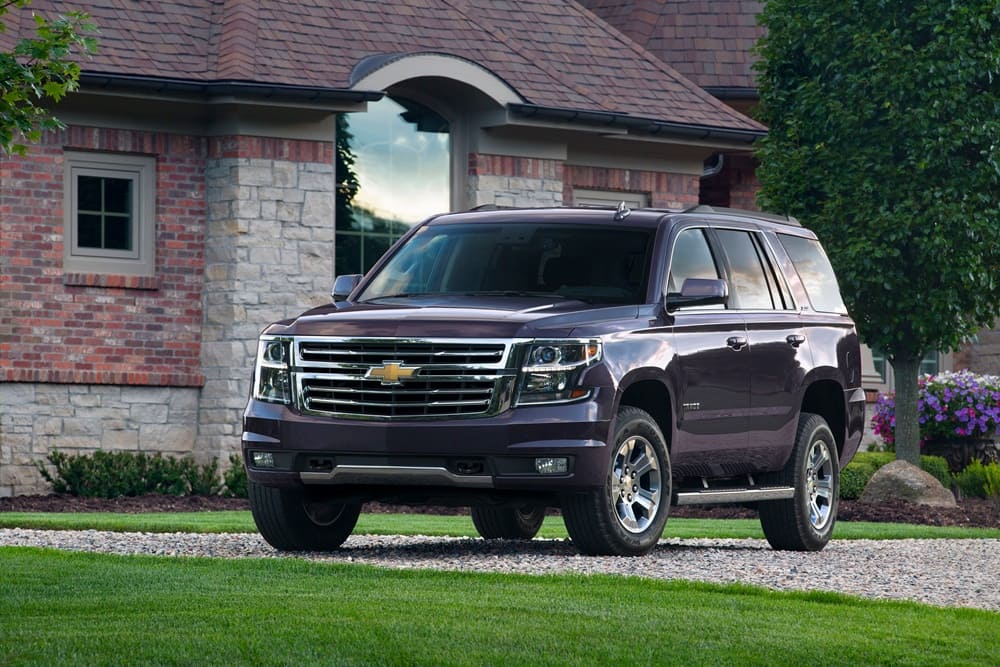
pixel 428 524
pixel 63 608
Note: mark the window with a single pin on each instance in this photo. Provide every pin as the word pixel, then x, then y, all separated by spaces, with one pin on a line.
pixel 109 209
pixel 692 259
pixel 816 273
pixel 751 288
pixel 610 198
pixel 401 158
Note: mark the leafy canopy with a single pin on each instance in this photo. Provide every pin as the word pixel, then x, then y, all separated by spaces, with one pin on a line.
pixel 884 138
pixel 38 71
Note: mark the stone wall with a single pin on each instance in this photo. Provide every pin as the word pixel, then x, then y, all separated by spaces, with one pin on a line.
pixel 513 181
pixel 36 418
pixel 269 256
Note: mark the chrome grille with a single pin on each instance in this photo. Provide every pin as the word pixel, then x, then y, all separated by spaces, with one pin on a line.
pixel 427 378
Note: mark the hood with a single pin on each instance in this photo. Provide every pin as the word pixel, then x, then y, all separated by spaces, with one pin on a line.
pixel 453 317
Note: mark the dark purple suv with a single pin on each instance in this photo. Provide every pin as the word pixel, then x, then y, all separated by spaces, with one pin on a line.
pixel 608 363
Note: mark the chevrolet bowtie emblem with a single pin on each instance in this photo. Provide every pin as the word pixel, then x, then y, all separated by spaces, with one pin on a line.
pixel 391 372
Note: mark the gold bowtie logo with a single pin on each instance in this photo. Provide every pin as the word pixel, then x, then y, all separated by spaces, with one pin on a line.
pixel 390 372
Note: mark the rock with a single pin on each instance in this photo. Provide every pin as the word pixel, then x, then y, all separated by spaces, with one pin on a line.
pixel 904 481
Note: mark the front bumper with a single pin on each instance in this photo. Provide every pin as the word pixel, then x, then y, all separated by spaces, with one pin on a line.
pixel 488 454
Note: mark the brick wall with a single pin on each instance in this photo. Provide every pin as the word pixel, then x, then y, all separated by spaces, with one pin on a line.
pixel 735 186
pixel 665 189
pixel 93 328
pixel 514 181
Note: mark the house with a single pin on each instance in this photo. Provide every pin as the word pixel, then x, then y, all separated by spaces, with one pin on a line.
pixel 191 198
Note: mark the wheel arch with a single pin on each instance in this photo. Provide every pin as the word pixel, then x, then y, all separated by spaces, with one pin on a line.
pixel 826 399
pixel 653 396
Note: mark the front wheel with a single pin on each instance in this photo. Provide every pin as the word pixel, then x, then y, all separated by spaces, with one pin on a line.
pixel 805 521
pixel 296 520
pixel 626 516
pixel 508 523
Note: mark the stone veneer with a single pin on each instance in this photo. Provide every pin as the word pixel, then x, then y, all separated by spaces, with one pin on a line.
pixel 269 256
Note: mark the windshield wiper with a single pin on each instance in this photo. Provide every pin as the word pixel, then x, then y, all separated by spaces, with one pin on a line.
pixel 541 295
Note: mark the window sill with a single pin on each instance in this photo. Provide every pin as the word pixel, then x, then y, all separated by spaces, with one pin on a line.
pixel 110 280
pixel 133 378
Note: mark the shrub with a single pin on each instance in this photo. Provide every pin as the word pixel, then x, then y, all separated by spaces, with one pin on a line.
pixel 973 480
pixel 938 467
pixel 950 404
pixel 236 477
pixel 115 474
pixel 854 478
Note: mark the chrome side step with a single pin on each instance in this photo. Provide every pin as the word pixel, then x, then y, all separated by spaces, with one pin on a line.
pixel 727 496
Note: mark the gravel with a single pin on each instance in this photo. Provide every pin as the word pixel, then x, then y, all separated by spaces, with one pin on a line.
pixel 960 573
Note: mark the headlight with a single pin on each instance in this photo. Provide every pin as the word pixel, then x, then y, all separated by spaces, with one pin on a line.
pixel 552 371
pixel 272 381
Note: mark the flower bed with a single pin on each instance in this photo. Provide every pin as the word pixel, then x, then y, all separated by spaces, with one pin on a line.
pixel 958 412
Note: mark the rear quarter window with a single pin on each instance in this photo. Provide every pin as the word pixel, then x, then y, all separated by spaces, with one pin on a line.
pixel 815 272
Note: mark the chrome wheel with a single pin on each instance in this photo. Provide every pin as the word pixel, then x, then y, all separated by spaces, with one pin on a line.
pixel 819 484
pixel 635 484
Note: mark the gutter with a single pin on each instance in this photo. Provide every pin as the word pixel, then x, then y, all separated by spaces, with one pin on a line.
pixel 645 125
pixel 216 89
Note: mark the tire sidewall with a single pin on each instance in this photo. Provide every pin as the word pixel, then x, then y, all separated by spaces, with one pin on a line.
pixel 818 430
pixel 633 422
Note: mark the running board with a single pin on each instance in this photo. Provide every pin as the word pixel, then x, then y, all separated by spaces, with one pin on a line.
pixel 727 496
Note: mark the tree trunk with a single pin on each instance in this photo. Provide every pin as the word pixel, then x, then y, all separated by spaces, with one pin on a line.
pixel 907 431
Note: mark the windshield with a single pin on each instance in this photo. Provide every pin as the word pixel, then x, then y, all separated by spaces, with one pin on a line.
pixel 589 263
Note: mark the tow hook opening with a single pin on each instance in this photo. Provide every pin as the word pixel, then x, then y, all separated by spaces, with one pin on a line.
pixel 469 467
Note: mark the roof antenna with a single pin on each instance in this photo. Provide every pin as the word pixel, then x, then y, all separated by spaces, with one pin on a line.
pixel 622 212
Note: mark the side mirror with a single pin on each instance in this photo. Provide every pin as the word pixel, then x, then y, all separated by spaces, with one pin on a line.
pixel 699 292
pixel 343 286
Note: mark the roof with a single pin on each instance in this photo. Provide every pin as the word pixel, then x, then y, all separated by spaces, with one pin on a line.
pixel 554 53
pixel 707 41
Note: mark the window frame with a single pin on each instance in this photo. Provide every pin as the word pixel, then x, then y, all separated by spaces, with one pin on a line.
pixel 141 171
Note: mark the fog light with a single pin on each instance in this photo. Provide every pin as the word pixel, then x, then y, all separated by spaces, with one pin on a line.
pixel 263 459
pixel 552 466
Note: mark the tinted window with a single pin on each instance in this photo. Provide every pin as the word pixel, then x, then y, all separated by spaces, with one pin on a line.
pixel 816 273
pixel 593 264
pixel 749 281
pixel 692 258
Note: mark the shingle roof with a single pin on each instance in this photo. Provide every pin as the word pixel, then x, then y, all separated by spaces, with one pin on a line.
pixel 708 41
pixel 554 53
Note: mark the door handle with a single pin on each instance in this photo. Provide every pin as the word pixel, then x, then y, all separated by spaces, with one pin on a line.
pixel 795 339
pixel 736 342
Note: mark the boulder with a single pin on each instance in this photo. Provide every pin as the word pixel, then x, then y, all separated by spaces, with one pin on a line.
pixel 900 480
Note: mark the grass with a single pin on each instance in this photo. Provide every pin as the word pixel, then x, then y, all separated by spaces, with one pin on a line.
pixel 71 608
pixel 433 525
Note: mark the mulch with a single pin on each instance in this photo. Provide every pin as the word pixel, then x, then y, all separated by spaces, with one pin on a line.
pixel 970 513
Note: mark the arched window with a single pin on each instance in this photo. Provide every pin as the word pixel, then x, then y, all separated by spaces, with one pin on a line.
pixel 401 152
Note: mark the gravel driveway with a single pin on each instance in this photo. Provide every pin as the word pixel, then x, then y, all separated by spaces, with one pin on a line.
pixel 941 572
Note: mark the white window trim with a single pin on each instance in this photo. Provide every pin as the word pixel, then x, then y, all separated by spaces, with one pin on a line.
pixel 142 171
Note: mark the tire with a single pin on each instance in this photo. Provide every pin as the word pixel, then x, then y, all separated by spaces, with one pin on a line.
pixel 508 523
pixel 626 516
pixel 805 521
pixel 291 520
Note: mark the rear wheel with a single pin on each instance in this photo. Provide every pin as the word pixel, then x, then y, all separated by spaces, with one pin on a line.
pixel 805 521
pixel 508 523
pixel 626 516
pixel 297 520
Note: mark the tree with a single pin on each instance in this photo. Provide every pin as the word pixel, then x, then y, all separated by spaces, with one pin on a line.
pixel 40 70
pixel 884 138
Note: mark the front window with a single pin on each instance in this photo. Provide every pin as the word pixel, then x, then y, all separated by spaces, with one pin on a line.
pixel 401 160
pixel 588 263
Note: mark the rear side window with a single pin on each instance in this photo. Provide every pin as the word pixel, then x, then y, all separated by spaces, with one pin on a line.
pixel 816 273
pixel 751 287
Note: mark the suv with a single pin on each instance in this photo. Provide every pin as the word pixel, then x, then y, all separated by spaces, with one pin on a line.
pixel 611 363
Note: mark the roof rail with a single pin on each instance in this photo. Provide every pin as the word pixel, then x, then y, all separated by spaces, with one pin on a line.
pixel 771 217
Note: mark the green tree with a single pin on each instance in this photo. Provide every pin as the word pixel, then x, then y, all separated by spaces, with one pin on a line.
pixel 885 139
pixel 37 72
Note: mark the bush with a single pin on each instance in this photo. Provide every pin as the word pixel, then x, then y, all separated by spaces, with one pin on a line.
pixel 236 477
pixel 116 474
pixel 856 474
pixel 972 480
